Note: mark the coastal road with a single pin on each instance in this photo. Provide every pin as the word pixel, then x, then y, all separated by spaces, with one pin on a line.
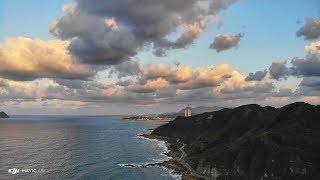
pixel 185 164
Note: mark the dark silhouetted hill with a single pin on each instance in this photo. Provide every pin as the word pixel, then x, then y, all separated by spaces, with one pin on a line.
pixel 195 110
pixel 251 142
pixel 3 115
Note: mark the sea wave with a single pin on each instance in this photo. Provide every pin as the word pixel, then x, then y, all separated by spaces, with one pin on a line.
pixel 162 145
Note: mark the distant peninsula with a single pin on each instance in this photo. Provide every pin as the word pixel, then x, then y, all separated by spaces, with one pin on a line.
pixel 3 115
pixel 249 142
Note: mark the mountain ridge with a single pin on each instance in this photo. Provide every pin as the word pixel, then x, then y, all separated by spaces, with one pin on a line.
pixel 251 141
pixel 195 110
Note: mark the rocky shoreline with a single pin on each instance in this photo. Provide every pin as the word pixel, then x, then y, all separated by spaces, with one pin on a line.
pixel 174 163
pixel 248 142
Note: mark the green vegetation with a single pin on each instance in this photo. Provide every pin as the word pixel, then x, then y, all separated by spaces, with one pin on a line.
pixel 251 142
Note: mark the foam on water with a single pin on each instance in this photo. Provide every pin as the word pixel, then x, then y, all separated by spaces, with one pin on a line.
pixel 161 144
pixel 80 148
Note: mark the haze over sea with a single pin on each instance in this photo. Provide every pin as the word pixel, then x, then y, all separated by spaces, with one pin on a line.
pixel 78 148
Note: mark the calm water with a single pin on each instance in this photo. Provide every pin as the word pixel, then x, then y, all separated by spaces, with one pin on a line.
pixel 78 148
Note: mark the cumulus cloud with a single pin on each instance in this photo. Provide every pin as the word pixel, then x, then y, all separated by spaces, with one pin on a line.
pixel 217 5
pixel 72 84
pixel 124 83
pixel 311 30
pixel 283 92
pixel 150 86
pixel 186 77
pixel 25 59
pixel 310 65
pixel 250 94
pixel 279 70
pixel 257 76
pixel 217 84
pixel 211 76
pixel 181 74
pixel 313 48
pixel 237 87
pixel 3 83
pixel 110 32
pixel 127 68
pixel 24 91
pixel 169 88
pixel 154 70
pixel 310 86
pixel 309 69
pixel 224 42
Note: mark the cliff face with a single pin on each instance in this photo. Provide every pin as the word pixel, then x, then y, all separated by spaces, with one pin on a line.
pixel 3 115
pixel 252 142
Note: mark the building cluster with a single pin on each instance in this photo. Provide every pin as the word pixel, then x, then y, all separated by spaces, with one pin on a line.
pixel 187 112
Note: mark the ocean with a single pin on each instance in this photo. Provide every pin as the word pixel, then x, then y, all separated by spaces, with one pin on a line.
pixel 47 147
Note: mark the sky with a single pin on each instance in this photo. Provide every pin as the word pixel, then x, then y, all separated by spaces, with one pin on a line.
pixel 100 57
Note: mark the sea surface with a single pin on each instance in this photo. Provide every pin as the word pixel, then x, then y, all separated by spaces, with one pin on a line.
pixel 47 147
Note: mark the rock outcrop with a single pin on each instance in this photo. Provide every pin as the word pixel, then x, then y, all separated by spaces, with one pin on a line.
pixel 3 115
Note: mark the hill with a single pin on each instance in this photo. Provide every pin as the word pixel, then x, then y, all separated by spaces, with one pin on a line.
pixel 250 142
pixel 195 110
pixel 3 115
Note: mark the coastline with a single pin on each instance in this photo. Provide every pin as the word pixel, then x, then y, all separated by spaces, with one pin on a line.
pixel 174 162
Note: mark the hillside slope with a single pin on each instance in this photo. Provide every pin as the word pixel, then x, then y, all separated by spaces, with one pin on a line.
pixel 251 142
pixel 3 115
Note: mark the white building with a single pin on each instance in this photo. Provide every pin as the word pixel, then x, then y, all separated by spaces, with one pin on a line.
pixel 187 112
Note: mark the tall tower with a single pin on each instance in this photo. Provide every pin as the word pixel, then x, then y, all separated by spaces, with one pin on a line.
pixel 187 112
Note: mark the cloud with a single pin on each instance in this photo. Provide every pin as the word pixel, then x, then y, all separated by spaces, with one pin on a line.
pixel 218 85
pixel 25 59
pixel 310 86
pixel 237 88
pixel 72 84
pixel 217 5
pixel 224 42
pixel 309 69
pixel 111 32
pixel 185 77
pixel 256 91
pixel 181 74
pixel 257 76
pixel 127 68
pixel 283 92
pixel 124 83
pixel 94 39
pixel 313 48
pixel 23 91
pixel 278 70
pixel 132 91
pixel 311 30
pixel 191 32
pixel 3 83
pixel 211 76
pixel 150 86
pixel 260 88
pixel 170 92
pixel 310 65
pixel 153 71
